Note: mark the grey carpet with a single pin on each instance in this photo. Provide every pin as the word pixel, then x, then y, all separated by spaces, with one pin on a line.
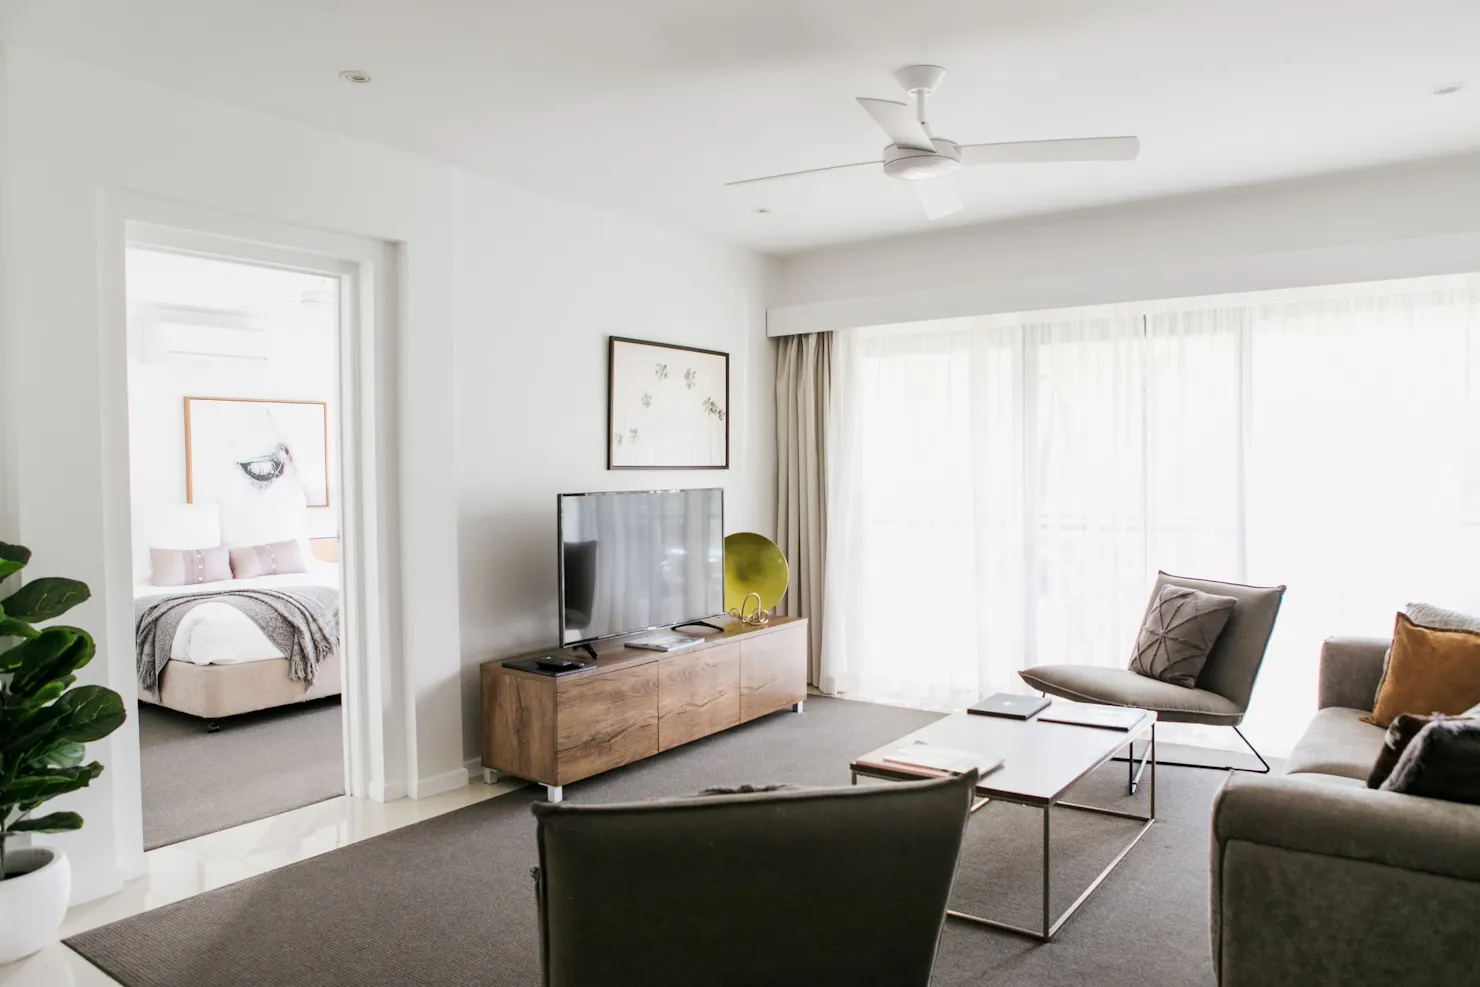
pixel 450 900
pixel 258 765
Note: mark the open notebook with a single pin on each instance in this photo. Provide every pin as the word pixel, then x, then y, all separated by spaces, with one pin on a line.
pixel 937 758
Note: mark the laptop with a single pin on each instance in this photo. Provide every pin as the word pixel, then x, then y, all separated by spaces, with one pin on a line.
pixel 1010 705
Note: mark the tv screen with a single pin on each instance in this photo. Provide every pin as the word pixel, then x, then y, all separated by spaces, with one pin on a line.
pixel 635 561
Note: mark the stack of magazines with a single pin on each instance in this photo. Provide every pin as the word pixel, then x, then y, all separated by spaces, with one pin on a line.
pixel 937 758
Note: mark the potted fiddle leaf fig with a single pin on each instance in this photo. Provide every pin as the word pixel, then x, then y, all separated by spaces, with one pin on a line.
pixel 44 723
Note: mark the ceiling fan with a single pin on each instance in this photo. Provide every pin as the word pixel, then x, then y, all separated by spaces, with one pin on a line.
pixel 924 160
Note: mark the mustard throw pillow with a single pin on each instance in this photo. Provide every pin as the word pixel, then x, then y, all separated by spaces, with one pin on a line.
pixel 1430 671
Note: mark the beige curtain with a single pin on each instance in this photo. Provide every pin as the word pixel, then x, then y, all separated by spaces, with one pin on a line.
pixel 803 390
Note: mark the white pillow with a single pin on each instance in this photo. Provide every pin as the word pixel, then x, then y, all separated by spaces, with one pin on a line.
pixel 178 526
pixel 188 526
pixel 265 521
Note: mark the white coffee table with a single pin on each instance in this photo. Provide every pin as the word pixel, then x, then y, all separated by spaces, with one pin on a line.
pixel 1041 761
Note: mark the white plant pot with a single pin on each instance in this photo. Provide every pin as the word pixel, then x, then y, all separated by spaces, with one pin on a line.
pixel 33 901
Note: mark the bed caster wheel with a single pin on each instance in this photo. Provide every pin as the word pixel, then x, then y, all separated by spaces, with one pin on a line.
pixel 213 726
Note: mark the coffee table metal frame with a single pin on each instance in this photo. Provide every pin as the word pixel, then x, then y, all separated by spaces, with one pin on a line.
pixel 1050 926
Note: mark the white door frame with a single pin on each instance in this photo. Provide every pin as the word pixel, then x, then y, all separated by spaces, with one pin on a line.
pixel 374 722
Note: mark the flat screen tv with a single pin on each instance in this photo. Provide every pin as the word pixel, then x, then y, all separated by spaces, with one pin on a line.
pixel 635 561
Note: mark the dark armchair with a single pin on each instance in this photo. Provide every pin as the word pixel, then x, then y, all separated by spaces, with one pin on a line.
pixel 796 887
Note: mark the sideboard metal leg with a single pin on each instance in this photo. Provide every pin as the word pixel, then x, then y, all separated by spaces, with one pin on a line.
pixel 490 776
pixel 796 707
pixel 554 793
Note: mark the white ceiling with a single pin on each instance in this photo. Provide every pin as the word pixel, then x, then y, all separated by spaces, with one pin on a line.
pixel 649 106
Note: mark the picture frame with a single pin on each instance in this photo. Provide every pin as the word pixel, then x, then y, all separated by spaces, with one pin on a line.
pixel 668 406
pixel 239 447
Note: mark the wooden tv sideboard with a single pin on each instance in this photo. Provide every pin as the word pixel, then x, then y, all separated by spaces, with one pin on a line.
pixel 631 704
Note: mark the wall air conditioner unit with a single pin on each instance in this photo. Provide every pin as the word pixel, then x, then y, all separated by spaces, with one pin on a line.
pixel 176 331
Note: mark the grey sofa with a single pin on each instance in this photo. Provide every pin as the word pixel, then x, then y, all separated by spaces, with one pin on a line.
pixel 1317 879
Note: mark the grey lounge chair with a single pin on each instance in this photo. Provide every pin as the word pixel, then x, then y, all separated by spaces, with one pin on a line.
pixel 799 887
pixel 1221 697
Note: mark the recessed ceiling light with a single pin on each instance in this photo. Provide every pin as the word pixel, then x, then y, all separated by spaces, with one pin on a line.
pixel 356 76
pixel 1453 87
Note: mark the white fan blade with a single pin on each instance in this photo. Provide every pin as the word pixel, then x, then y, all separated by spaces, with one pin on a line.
pixel 899 122
pixel 938 196
pixel 1074 149
pixel 809 171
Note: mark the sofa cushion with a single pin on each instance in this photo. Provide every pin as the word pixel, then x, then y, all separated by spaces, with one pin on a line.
pixel 1428 615
pixel 1123 687
pixel 1234 661
pixel 1429 671
pixel 1395 741
pixel 1442 762
pixel 1337 742
pixel 1178 632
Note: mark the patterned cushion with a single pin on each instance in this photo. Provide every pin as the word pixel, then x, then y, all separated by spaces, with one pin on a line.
pixel 267 560
pixel 1178 633
pixel 187 566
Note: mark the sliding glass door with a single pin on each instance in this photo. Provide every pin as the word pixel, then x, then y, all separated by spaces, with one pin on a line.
pixel 1005 488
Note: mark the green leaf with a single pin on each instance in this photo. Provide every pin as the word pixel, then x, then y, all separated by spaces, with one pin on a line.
pixel 43 649
pixel 33 674
pixel 56 822
pixel 94 712
pixel 43 785
pixel 29 730
pixel 45 598
pixel 87 713
pixel 13 559
pixel 47 693
pixel 62 754
pixel 10 627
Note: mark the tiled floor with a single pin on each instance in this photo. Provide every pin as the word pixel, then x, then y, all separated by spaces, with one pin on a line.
pixel 197 865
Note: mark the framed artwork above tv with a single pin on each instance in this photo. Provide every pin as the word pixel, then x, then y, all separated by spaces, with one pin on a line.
pixel 668 407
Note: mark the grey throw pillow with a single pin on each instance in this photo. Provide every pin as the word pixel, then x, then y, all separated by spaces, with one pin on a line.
pixel 1442 762
pixel 1178 632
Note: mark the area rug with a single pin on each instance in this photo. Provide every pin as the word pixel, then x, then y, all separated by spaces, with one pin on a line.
pixel 258 765
pixel 451 901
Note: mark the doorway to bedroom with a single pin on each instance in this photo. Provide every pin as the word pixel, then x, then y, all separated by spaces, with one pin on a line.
pixel 233 371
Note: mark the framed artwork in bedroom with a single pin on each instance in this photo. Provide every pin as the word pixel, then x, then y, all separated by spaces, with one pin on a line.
pixel 668 407
pixel 238 449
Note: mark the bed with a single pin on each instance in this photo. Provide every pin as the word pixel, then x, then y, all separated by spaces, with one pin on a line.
pixel 222 664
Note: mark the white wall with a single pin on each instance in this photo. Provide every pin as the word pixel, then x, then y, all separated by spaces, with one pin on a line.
pixel 1398 221
pixel 77 139
pixel 503 304
pixel 541 285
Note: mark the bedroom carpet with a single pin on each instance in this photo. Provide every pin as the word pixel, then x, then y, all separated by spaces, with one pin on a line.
pixel 258 765
pixel 450 900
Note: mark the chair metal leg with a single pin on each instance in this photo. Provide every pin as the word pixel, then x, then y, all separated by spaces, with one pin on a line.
pixel 1252 750
pixel 1263 768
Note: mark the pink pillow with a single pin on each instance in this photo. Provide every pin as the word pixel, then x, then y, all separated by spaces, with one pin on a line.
pixel 186 566
pixel 267 560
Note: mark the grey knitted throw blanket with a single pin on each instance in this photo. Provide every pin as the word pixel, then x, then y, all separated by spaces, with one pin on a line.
pixel 302 623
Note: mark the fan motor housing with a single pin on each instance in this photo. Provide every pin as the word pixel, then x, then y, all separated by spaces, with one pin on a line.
pixel 914 165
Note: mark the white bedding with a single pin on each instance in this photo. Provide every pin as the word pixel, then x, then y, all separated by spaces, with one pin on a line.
pixel 220 634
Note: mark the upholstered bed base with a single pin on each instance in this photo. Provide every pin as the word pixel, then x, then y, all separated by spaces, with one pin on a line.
pixel 216 691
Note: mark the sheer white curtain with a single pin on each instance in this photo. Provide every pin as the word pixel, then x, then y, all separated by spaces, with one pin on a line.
pixel 1004 489
pixel 1363 474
